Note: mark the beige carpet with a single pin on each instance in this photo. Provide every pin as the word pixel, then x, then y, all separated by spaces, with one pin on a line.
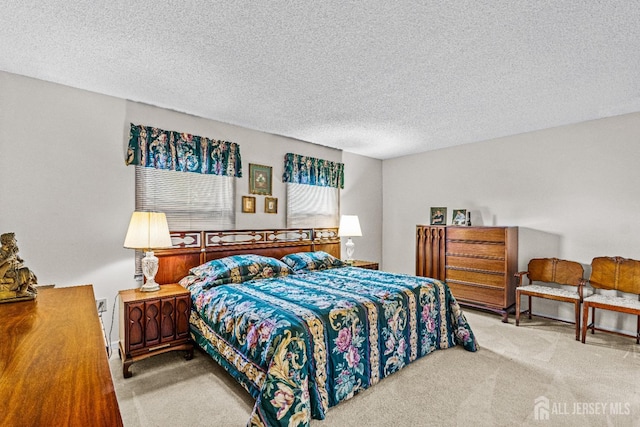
pixel 574 384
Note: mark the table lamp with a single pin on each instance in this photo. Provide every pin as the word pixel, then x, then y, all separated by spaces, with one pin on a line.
pixel 148 231
pixel 349 227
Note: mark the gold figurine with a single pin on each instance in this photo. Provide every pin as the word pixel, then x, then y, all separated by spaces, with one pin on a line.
pixel 17 282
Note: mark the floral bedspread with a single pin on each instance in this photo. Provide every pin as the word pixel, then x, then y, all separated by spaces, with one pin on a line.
pixel 302 343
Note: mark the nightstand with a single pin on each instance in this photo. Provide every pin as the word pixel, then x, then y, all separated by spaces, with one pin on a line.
pixel 153 322
pixel 365 264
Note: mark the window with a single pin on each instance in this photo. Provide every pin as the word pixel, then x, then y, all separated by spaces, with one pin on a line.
pixel 312 206
pixel 191 201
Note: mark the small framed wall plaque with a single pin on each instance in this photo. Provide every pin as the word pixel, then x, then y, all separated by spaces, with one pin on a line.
pixel 259 179
pixel 248 204
pixel 271 205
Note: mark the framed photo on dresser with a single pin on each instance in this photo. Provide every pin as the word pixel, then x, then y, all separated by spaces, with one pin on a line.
pixel 438 216
pixel 459 217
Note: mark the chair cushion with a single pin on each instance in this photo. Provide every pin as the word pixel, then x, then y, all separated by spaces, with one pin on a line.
pixel 548 290
pixel 614 301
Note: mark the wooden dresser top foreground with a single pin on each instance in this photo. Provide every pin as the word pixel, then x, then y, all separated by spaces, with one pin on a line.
pixel 53 363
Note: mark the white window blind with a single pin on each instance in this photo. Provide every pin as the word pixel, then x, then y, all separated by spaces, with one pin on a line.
pixel 312 206
pixel 191 201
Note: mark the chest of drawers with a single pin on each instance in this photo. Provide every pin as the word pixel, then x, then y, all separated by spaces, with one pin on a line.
pixel 478 263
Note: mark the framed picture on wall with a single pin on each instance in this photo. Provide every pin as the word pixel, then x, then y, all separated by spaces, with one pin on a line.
pixel 248 204
pixel 459 217
pixel 438 216
pixel 259 179
pixel 271 205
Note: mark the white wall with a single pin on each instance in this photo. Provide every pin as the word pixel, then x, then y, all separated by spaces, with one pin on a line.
pixel 362 196
pixel 64 188
pixel 572 190
pixel 67 194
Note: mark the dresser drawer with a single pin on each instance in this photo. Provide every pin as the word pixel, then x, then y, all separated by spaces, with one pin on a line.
pixel 493 250
pixel 477 294
pixel 480 234
pixel 488 279
pixel 485 264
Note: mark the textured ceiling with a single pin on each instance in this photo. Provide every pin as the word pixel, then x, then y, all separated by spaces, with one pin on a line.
pixel 378 78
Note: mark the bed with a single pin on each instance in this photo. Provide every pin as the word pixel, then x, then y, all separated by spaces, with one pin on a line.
pixel 298 329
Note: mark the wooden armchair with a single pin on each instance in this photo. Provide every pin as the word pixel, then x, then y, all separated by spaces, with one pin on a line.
pixel 612 273
pixel 548 271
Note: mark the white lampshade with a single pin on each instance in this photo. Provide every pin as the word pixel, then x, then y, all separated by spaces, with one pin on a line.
pixel 148 230
pixel 349 226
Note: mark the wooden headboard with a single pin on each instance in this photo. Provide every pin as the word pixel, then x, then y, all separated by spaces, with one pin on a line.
pixel 192 248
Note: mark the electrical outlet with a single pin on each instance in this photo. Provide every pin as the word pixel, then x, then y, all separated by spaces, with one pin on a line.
pixel 101 304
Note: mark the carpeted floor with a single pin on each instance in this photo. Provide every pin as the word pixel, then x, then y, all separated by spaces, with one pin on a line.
pixel 520 376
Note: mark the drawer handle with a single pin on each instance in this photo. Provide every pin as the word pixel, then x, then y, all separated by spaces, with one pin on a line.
pixel 159 347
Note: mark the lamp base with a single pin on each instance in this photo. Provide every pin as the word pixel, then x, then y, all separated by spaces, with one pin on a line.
pixel 150 286
pixel 350 249
pixel 149 269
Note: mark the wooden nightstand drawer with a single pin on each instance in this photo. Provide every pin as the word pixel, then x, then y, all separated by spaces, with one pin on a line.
pixel 153 323
pixel 365 264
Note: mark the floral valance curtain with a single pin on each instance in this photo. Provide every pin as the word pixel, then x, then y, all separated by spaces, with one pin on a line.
pixel 164 149
pixel 307 170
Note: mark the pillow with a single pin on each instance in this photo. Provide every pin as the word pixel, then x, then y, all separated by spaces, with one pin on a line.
pixel 189 280
pixel 309 261
pixel 240 268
